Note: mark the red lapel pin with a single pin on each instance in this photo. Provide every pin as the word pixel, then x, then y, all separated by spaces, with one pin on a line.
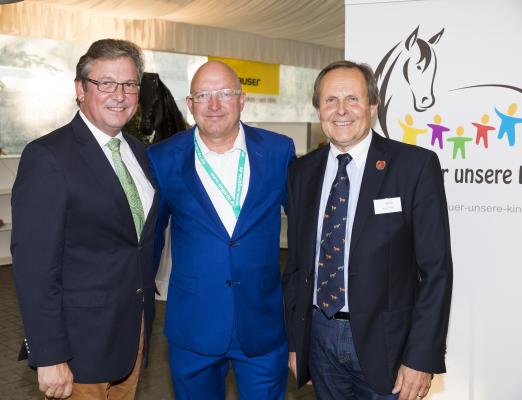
pixel 380 165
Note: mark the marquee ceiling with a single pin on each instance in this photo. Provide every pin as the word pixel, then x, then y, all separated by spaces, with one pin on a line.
pixel 318 22
pixel 305 33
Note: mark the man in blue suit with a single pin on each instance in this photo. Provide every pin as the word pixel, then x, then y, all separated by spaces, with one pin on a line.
pixel 222 183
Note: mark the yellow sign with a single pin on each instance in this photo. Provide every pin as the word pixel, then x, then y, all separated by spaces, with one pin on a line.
pixel 255 77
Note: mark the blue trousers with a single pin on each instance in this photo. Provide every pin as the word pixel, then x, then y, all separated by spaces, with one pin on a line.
pixel 201 377
pixel 334 366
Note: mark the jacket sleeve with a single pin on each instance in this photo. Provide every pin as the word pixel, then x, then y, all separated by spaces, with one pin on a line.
pixel 39 207
pixel 426 345
pixel 163 213
pixel 290 158
pixel 290 275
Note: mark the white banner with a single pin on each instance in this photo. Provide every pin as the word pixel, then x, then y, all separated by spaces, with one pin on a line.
pixel 450 76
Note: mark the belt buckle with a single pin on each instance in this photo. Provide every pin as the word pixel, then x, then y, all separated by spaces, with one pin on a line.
pixel 345 316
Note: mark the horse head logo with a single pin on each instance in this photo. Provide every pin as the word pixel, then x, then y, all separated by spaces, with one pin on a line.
pixel 417 60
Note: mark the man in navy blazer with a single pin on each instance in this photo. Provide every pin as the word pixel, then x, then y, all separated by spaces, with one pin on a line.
pixel 378 332
pixel 222 183
pixel 82 242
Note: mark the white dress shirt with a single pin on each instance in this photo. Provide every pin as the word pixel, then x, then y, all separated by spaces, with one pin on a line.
pixel 145 189
pixel 225 167
pixel 355 170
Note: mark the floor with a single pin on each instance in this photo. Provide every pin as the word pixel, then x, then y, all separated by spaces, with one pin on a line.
pixel 18 382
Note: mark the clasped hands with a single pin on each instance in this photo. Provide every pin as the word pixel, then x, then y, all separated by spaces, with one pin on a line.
pixel 55 381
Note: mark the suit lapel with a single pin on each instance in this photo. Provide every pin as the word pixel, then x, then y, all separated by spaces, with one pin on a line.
pixel 258 159
pixel 101 168
pixel 312 185
pixel 194 184
pixel 370 186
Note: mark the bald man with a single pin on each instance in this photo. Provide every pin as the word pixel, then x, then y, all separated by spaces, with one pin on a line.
pixel 222 184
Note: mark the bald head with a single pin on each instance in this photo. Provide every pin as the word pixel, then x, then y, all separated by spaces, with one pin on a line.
pixel 217 69
pixel 218 116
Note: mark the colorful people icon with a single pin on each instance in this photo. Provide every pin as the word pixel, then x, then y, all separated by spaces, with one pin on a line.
pixel 410 132
pixel 508 123
pixel 437 130
pixel 483 130
pixel 459 143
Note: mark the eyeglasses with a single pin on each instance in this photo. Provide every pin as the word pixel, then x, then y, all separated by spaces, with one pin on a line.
pixel 111 87
pixel 221 95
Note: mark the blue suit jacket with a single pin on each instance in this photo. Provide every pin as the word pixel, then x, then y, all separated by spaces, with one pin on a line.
pixel 216 278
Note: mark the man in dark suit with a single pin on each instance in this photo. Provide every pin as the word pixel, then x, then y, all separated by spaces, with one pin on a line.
pixel 222 183
pixel 369 274
pixel 83 221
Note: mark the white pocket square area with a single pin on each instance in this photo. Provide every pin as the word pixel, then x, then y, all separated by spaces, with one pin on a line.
pixel 385 206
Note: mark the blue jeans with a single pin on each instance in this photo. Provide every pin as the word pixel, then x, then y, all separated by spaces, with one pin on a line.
pixel 334 367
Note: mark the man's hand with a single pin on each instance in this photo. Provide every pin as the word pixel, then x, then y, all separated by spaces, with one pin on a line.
pixel 55 381
pixel 292 365
pixel 412 384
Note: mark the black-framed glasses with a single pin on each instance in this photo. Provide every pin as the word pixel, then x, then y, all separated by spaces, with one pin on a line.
pixel 221 94
pixel 111 86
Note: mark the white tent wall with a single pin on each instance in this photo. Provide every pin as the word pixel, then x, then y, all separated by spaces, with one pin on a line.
pixel 478 64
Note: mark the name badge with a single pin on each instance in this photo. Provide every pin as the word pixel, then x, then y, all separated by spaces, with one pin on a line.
pixel 385 206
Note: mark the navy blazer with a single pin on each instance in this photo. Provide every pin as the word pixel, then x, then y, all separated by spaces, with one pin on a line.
pixel 400 267
pixel 83 279
pixel 216 278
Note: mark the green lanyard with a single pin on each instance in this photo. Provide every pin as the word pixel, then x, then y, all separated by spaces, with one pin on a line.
pixel 234 202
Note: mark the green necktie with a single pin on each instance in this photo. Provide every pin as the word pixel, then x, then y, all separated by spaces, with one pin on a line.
pixel 129 187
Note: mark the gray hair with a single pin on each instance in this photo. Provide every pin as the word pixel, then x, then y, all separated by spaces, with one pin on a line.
pixel 109 49
pixel 366 70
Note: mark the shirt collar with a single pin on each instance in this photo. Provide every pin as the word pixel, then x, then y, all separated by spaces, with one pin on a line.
pixel 357 152
pixel 239 143
pixel 101 137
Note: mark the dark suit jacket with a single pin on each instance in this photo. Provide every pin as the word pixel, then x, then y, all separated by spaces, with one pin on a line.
pixel 82 277
pixel 217 281
pixel 400 268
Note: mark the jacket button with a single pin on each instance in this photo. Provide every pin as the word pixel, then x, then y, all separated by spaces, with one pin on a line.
pixel 233 243
pixel 306 281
